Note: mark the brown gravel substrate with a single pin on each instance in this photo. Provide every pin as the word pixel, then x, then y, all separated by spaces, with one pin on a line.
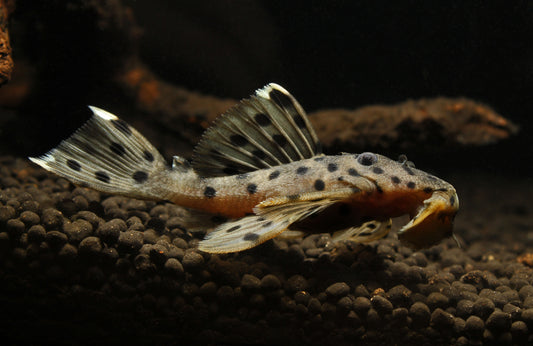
pixel 79 267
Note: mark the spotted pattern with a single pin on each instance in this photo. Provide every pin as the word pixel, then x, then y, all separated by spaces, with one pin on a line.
pixel 377 170
pixel 267 224
pixel 74 165
pixel 122 126
pixel 332 167
pixel 273 175
pixel 319 185
pixel 411 185
pixel 140 177
pixel 408 169
pixel 353 172
pixel 210 192
pixel 367 159
pixel 395 179
pixel 238 140
pixel 302 170
pixel 280 98
pixel 102 176
pixel 117 149
pixel 251 188
pixel 148 156
pixel 232 229
pixel 280 140
pixel 250 236
pixel 428 190
pixel 262 119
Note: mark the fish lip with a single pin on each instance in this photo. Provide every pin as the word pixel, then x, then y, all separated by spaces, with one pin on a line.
pixel 431 221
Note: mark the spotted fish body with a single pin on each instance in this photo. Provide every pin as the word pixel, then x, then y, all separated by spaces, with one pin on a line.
pixel 261 166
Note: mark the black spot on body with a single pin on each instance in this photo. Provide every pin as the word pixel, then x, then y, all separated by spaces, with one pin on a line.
pixel 234 228
pixel 319 185
pixel 250 236
pixel 408 170
pixel 140 176
pixel 273 175
pixel 353 172
pixel 395 179
pixel 411 185
pixel 300 122
pixel 318 159
pixel 148 156
pixel 332 167
pixel 251 188
pixel 210 192
pixel 122 126
pixel 280 98
pixel 74 165
pixel 117 149
pixel 238 140
pixel 280 140
pixel 302 170
pixel 428 190
pixel 102 176
pixel 268 224
pixel 367 159
pixel 262 119
pixel 377 170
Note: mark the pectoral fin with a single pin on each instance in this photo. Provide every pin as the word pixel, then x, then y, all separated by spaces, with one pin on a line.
pixel 367 232
pixel 273 216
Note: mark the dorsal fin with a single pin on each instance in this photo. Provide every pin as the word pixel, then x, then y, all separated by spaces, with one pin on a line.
pixel 268 129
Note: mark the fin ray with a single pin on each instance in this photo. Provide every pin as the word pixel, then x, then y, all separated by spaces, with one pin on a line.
pixel 268 129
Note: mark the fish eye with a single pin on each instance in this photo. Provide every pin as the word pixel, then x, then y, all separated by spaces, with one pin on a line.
pixel 367 159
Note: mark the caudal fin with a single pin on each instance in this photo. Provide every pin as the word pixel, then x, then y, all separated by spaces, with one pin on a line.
pixel 108 155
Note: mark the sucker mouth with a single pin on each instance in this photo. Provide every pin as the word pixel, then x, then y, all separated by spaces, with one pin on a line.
pixel 432 221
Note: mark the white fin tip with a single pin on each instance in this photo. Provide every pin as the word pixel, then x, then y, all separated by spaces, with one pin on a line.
pixel 103 114
pixel 264 92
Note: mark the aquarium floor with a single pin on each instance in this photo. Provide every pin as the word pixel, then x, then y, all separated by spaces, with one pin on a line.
pixel 79 267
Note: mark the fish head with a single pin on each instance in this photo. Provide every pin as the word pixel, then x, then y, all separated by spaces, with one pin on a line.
pixel 398 189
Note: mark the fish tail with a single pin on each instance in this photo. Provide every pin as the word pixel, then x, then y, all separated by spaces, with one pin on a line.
pixel 110 156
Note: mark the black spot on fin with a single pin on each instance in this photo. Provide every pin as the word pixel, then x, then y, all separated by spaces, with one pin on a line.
pixel 110 156
pixel 267 129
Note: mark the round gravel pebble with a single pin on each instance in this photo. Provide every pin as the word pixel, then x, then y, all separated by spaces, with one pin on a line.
pixel 483 307
pixel 7 212
pixel 338 289
pixel 250 283
pixel 29 218
pixel 382 305
pixel 420 314
pixel 173 266
pixel 110 231
pixel 15 228
pixel 52 219
pixel 519 331
pixel 499 321
pixel 442 319
pixel 437 300
pixel 36 234
pixel 77 230
pixel 474 326
pixel 56 239
pixel 90 246
pixel 192 261
pixel 130 241
pixel 270 282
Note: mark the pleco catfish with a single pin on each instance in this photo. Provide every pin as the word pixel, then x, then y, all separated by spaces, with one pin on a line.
pixel 261 166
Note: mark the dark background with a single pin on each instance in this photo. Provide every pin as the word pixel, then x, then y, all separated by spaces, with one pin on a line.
pixel 328 54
